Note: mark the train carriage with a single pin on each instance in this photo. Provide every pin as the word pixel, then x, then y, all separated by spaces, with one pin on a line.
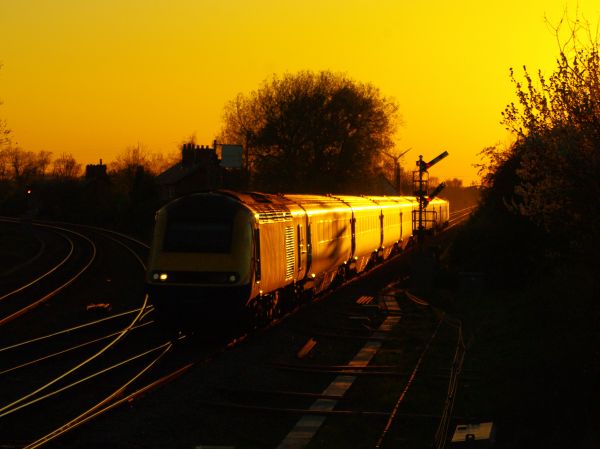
pixel 329 237
pixel 396 226
pixel 441 211
pixel 366 230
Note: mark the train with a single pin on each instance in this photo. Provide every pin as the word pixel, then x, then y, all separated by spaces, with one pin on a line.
pixel 237 254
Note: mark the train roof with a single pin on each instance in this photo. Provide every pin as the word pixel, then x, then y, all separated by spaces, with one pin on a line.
pixel 282 207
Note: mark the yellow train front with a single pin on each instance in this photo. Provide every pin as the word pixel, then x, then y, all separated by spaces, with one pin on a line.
pixel 218 256
pixel 201 256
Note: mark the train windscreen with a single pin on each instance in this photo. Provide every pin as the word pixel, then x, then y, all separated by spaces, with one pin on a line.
pixel 200 224
pixel 207 236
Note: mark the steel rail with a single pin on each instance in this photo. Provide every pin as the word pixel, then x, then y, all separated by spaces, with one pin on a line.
pixel 139 259
pixel 110 231
pixel 84 417
pixel 66 223
pixel 441 433
pixel 121 334
pixel 43 299
pixel 39 278
pixel 101 410
pixel 464 209
pixel 29 261
pixel 459 216
pixel 128 237
pixel 65 351
pixel 394 411
pixel 68 330
pixel 85 379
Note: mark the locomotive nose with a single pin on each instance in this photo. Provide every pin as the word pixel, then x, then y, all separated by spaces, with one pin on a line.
pixel 201 253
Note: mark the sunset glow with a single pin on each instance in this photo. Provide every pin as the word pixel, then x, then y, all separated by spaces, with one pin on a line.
pixel 92 78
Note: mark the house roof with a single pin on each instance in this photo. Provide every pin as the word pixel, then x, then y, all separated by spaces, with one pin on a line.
pixel 176 173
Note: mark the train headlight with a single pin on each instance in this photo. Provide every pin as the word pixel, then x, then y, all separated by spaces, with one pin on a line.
pixel 232 278
pixel 160 276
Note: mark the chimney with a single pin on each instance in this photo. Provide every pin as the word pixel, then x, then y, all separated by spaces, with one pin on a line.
pixel 187 154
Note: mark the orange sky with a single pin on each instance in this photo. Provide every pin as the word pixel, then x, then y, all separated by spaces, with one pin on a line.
pixel 94 77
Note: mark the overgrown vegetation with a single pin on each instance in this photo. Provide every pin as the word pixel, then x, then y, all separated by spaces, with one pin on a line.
pixel 541 195
pixel 533 334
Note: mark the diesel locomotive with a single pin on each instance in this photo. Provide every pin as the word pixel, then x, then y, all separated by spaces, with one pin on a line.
pixel 230 254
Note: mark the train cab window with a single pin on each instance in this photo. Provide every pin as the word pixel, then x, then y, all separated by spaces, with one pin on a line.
pixel 200 223
pixel 206 236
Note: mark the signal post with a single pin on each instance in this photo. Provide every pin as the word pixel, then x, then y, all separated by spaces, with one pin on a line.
pixel 422 217
pixel 424 263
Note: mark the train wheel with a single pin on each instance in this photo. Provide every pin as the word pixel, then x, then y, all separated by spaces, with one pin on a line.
pixel 265 309
pixel 276 309
pixel 340 277
pixel 288 299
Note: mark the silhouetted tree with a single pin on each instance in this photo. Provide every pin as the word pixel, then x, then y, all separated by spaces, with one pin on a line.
pixel 558 145
pixel 41 162
pixel 130 158
pixel 65 166
pixel 318 132
pixel 454 183
pixel 137 156
pixel 134 190
pixel 24 166
pixel 5 143
pixel 159 162
pixel 5 140
pixel 4 166
pixel 550 176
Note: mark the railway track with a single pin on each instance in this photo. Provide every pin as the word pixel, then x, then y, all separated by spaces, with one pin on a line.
pixel 460 216
pixel 18 249
pixel 79 255
pixel 160 361
pixel 260 401
pixel 68 357
pixel 117 358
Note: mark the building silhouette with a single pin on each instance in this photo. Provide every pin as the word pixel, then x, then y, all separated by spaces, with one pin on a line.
pixel 201 168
